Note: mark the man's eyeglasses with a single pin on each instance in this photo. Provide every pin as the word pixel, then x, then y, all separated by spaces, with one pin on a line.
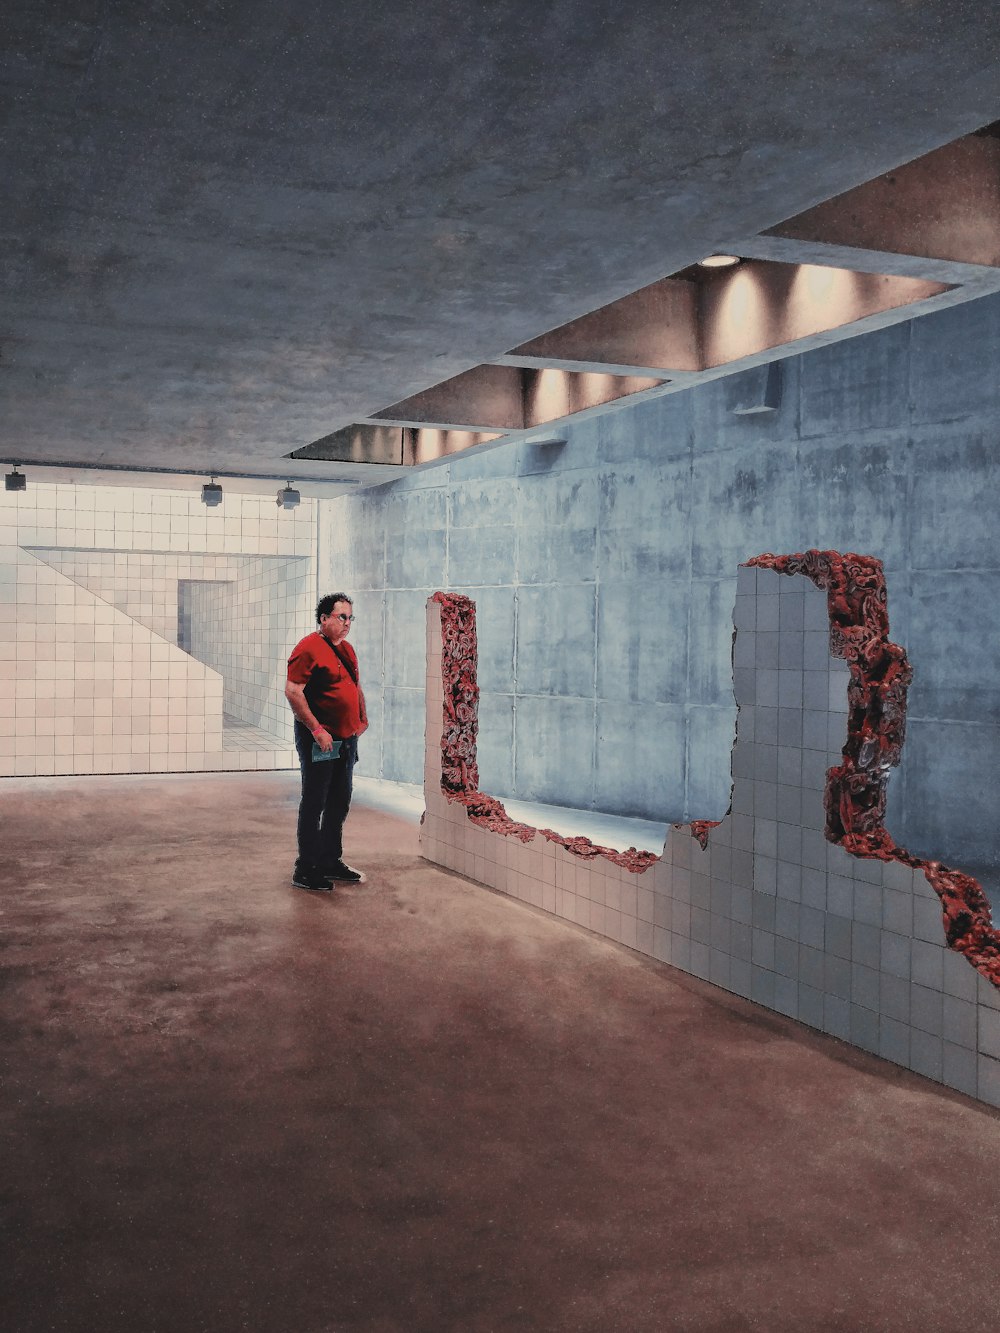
pixel 346 619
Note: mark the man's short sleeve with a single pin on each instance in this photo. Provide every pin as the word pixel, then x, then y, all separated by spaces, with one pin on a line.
pixel 300 664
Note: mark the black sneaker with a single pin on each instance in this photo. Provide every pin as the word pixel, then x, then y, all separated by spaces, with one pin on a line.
pixel 341 872
pixel 303 877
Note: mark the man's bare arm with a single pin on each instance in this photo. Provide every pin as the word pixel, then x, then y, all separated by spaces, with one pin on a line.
pixel 296 696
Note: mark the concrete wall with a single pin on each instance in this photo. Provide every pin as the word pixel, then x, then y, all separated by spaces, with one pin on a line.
pixel 604 573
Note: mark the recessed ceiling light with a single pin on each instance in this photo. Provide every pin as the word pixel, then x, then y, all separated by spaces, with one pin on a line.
pixel 719 261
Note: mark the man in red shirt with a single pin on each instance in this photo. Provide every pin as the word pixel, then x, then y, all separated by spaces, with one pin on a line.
pixel 330 715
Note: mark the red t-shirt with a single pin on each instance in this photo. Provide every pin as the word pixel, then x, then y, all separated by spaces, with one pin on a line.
pixel 331 692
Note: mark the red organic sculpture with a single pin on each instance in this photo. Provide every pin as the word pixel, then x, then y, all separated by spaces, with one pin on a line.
pixel 459 773
pixel 856 790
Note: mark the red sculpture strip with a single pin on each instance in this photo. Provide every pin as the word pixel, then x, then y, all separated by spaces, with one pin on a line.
pixel 855 793
pixel 700 829
pixel 459 771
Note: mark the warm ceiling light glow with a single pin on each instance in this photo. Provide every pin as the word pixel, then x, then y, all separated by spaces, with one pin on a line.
pixel 738 323
pixel 823 298
pixel 549 396
pixel 719 261
pixel 429 444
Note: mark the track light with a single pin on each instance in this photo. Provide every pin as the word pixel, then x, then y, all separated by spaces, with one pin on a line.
pixel 289 497
pixel 719 261
pixel 14 480
pixel 211 493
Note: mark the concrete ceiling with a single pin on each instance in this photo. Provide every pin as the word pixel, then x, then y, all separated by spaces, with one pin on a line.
pixel 233 227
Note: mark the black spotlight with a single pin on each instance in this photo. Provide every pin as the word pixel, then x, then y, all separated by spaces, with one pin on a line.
pixel 289 497
pixel 211 493
pixel 15 481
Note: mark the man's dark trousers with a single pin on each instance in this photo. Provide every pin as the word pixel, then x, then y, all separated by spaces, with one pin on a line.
pixel 326 798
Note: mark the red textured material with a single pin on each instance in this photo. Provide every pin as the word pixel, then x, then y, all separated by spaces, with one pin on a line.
pixel 459 771
pixel 700 829
pixel 459 665
pixel 855 793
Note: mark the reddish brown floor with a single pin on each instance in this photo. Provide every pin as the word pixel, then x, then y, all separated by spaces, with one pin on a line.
pixel 230 1105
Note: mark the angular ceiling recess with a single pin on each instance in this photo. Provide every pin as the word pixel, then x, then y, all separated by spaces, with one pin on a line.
pixel 918 238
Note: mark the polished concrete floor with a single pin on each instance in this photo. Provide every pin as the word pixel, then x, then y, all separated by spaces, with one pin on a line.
pixel 416 1105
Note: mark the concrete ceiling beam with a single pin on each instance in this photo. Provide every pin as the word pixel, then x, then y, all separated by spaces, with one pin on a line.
pixel 719 322
pixel 388 447
pixel 550 395
pixel 485 398
pixel 510 398
pixel 654 331
pixel 945 205
pixel 359 443
pixel 937 217
pixel 726 316
pixel 761 306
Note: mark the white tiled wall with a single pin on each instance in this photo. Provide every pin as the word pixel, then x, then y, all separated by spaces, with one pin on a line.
pixel 143 585
pixel 91 678
pixel 769 910
pixel 246 629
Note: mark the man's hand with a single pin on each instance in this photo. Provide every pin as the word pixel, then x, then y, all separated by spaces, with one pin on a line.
pixel 323 739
